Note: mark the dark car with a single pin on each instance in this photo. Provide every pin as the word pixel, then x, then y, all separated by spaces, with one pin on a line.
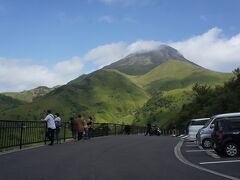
pixel 226 136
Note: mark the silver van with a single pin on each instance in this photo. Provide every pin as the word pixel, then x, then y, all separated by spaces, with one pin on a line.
pixel 204 134
pixel 194 126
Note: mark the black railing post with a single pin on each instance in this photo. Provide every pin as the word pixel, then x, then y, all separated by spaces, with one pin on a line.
pixel 115 129
pixel 64 132
pixel 107 129
pixel 45 135
pixel 21 135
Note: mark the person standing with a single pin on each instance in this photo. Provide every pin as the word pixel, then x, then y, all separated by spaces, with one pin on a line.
pixel 90 127
pixel 85 129
pixel 149 128
pixel 50 126
pixel 58 127
pixel 73 128
pixel 80 126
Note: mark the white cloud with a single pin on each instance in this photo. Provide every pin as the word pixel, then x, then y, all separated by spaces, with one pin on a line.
pixel 106 54
pixel 20 74
pixel 106 19
pixel 212 50
pixel 143 46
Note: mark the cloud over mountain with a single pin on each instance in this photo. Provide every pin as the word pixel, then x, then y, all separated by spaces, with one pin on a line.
pixel 211 50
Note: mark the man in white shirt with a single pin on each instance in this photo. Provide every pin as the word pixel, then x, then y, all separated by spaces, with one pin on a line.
pixel 50 125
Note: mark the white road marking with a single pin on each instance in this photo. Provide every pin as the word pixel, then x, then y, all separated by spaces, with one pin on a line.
pixel 199 150
pixel 178 154
pixel 184 137
pixel 212 154
pixel 191 145
pixel 220 162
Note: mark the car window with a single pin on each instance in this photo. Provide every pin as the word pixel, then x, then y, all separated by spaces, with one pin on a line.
pixel 198 123
pixel 208 122
pixel 234 124
pixel 228 124
pixel 217 125
pixel 220 124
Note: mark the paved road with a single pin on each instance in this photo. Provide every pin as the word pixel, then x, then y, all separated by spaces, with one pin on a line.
pixel 104 158
pixel 207 158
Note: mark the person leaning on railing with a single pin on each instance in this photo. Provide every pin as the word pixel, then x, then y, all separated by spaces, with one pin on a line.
pixel 80 126
pixel 49 119
pixel 58 124
pixel 90 127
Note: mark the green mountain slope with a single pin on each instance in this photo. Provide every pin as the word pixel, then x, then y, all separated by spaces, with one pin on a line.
pixel 150 86
pixel 175 74
pixel 30 95
pixel 170 85
pixel 107 95
pixel 8 102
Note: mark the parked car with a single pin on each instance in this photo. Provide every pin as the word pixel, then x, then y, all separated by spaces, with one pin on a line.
pixel 226 134
pixel 204 134
pixel 194 126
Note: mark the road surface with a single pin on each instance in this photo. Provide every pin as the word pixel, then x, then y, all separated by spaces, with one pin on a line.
pixel 103 158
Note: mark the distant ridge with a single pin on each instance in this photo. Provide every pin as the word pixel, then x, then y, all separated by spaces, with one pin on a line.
pixel 30 95
pixel 142 62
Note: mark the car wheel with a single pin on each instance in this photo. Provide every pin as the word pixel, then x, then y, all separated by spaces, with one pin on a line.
pixel 231 150
pixel 207 143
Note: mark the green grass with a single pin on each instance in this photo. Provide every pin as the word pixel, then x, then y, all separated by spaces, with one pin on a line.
pixel 105 94
pixel 175 74
pixel 8 102
pixel 112 96
pixel 170 85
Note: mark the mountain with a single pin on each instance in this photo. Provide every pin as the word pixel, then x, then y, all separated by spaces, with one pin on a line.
pixel 170 87
pixel 148 86
pixel 175 74
pixel 30 95
pixel 141 63
pixel 8 102
pixel 106 94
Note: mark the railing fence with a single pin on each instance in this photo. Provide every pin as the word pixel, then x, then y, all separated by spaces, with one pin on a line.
pixel 21 133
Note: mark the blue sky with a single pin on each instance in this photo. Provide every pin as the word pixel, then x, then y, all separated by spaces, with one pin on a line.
pixel 49 33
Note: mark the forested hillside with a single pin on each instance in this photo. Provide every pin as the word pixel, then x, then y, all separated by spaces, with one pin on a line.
pixel 208 101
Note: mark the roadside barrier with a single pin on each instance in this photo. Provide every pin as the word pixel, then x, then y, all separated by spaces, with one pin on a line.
pixel 17 134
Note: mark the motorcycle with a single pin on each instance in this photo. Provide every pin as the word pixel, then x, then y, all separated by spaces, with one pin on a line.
pixel 155 131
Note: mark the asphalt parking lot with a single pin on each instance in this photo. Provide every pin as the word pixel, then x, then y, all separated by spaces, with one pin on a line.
pixel 207 158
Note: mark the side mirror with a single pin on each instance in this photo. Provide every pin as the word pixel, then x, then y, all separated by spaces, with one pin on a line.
pixel 212 126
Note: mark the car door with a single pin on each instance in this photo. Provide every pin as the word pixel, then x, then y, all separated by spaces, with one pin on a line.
pixel 235 128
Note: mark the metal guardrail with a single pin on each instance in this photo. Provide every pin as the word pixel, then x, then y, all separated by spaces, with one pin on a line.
pixel 17 134
pixel 21 133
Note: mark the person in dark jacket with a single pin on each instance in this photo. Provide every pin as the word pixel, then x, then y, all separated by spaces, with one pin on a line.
pixel 149 128
pixel 73 128
pixel 90 127
pixel 58 125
